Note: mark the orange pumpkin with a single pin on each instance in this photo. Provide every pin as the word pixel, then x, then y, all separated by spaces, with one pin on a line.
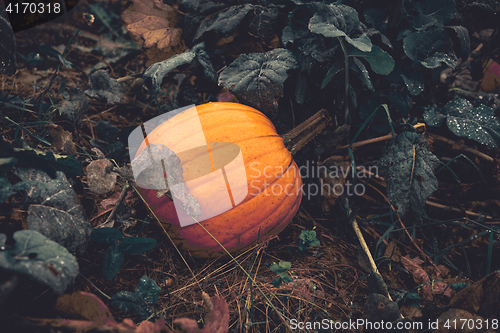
pixel 273 183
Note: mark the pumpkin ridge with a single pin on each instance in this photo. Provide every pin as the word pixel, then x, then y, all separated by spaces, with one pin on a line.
pixel 276 225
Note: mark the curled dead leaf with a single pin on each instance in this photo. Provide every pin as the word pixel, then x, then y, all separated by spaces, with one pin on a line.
pixel 216 321
pixel 62 140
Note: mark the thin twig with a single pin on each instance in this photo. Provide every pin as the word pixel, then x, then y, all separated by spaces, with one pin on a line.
pixel 111 216
pixel 404 227
pixel 432 203
pixel 464 147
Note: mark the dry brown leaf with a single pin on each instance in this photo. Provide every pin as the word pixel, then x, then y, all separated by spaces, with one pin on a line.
pixel 483 297
pixel 459 321
pixel 153 23
pixel 62 140
pixel 304 289
pixel 419 275
pixel 392 251
pixel 82 305
pixel 216 321
pixel 432 287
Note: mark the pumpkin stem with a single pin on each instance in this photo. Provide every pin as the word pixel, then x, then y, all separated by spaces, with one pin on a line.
pixel 298 137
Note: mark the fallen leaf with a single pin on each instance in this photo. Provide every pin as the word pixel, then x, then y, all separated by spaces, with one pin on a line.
pixel 491 79
pixel 419 275
pixel 154 22
pixel 481 297
pixel 101 179
pixel 216 321
pixel 55 211
pixel 392 251
pixel 83 305
pixel 62 140
pixel 304 289
pixel 452 321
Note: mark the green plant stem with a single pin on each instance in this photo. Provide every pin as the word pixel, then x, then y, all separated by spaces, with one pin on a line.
pixel 29 132
pixel 40 97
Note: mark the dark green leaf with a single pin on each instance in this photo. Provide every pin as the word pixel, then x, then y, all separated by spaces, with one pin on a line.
pixel 102 86
pixel 432 117
pixel 287 35
pixel 132 303
pixel 286 278
pixel 334 21
pixel 55 211
pixel 155 73
pixel 462 35
pixel 257 78
pixel 300 88
pixel 106 235
pixel 46 161
pixel 148 290
pixel 51 52
pixel 380 61
pixel 430 48
pixel 334 70
pixel 311 47
pixel 375 18
pixel 308 235
pixel 439 10
pixel 283 266
pixel 137 245
pixel 113 261
pixel 263 22
pixel 225 21
pixel 5 190
pixel 204 60
pixel 463 119
pixel 401 101
pixel 408 167
pixel 363 73
pixel 42 259
pixel 415 83
pixel 276 282
pixel 362 43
